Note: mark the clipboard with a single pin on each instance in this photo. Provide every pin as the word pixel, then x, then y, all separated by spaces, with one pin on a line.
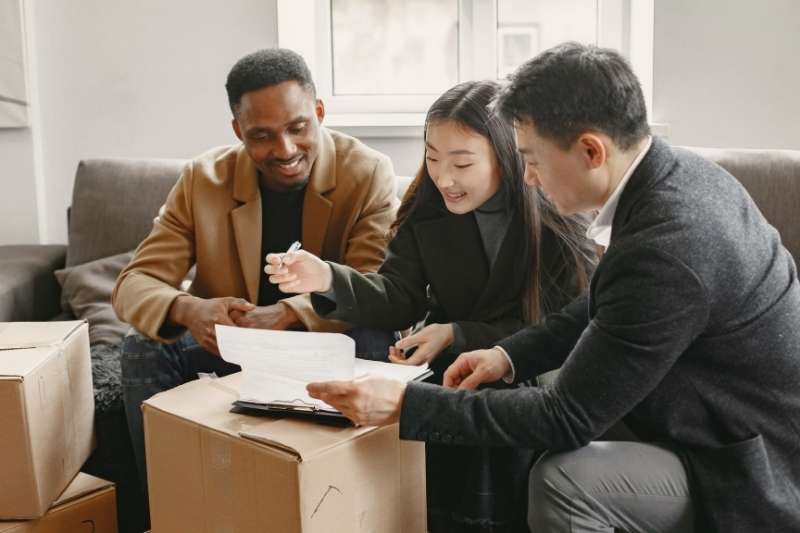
pixel 301 410
pixel 280 410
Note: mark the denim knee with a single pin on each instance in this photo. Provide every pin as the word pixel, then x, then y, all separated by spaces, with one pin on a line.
pixel 372 343
pixel 148 362
pixel 138 357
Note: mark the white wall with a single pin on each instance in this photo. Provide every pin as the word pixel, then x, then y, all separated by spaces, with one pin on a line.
pixel 146 79
pixel 726 72
pixel 135 79
pixel 18 220
pixel 406 152
pixel 725 75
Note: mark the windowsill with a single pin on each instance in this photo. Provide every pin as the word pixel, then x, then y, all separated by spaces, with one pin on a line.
pixel 403 125
pixel 377 124
pixel 660 129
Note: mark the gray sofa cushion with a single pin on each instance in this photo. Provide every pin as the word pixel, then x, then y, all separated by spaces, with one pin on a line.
pixel 114 202
pixel 772 177
pixel 86 293
pixel 28 289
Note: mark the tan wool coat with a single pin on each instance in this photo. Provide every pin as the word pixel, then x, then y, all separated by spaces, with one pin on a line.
pixel 212 219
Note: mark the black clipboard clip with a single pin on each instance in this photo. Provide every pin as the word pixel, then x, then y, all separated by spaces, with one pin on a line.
pixel 291 409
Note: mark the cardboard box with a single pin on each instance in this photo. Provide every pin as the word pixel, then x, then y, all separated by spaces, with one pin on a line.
pixel 88 505
pixel 46 413
pixel 210 470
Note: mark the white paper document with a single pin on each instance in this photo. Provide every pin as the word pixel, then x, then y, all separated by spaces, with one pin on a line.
pixel 277 365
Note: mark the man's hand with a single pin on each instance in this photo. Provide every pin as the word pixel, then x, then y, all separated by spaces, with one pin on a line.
pixel 299 272
pixel 367 401
pixel 278 316
pixel 430 342
pixel 200 315
pixel 475 368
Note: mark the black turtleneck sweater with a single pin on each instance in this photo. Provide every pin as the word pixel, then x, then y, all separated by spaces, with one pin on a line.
pixel 281 225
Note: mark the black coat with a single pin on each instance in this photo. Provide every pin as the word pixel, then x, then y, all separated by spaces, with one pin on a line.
pixel 436 271
pixel 690 331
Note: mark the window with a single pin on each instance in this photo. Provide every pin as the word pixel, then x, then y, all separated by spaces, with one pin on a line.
pixel 13 90
pixel 385 61
pixel 392 48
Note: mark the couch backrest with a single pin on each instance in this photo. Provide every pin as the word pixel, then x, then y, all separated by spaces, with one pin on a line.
pixel 772 177
pixel 114 202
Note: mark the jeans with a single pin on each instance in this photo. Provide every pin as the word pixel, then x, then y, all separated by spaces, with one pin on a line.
pixel 149 367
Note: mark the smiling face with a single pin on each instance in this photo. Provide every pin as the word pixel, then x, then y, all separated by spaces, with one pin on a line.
pixel 462 164
pixel 280 128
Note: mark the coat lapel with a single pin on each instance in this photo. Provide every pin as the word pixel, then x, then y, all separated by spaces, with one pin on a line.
pixel 316 207
pixel 506 267
pixel 246 220
pixel 655 165
pixel 451 250
pixel 653 168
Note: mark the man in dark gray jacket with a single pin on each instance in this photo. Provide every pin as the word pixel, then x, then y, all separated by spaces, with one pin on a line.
pixel 690 331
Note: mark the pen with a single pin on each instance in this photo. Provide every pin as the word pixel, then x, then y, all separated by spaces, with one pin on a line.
pixel 293 248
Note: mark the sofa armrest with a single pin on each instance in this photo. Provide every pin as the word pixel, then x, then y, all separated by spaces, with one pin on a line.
pixel 28 289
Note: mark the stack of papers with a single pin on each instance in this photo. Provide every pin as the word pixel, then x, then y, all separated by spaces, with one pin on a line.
pixel 277 365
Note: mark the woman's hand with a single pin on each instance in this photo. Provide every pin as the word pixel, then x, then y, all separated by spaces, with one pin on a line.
pixel 367 401
pixel 430 342
pixel 299 272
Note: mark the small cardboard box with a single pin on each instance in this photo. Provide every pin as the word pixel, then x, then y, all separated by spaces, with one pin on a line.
pixel 87 505
pixel 210 470
pixel 46 413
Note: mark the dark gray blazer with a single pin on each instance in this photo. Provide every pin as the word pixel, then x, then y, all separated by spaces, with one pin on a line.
pixel 690 332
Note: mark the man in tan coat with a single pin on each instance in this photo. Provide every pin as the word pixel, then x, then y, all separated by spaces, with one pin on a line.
pixel 289 180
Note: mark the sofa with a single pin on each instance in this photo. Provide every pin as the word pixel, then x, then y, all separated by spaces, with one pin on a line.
pixel 112 209
pixel 115 200
pixel 113 205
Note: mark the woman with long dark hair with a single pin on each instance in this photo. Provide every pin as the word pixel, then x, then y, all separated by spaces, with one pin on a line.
pixel 475 255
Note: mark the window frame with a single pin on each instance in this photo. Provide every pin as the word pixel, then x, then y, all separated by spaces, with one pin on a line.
pixel 625 25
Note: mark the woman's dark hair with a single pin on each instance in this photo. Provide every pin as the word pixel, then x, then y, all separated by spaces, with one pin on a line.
pixel 468 105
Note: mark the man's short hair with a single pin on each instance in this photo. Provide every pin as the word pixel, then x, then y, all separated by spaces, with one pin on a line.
pixel 573 88
pixel 264 68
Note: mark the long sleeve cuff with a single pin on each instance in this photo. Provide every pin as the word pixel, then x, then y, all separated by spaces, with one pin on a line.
pixel 508 378
pixel 459 341
pixel 330 294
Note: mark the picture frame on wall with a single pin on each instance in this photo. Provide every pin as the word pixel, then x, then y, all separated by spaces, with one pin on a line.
pixel 14 105
pixel 516 44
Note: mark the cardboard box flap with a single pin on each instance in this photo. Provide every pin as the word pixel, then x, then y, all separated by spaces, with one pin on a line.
pixel 302 438
pixel 16 364
pixel 12 527
pixel 25 346
pixel 87 504
pixel 19 335
pixel 208 402
pixel 82 485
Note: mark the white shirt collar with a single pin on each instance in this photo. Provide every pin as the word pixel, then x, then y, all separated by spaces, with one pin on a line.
pixel 600 229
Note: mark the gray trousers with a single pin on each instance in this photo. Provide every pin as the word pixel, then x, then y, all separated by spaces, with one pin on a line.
pixel 610 486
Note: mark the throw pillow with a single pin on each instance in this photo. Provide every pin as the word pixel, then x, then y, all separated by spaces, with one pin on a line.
pixel 86 292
